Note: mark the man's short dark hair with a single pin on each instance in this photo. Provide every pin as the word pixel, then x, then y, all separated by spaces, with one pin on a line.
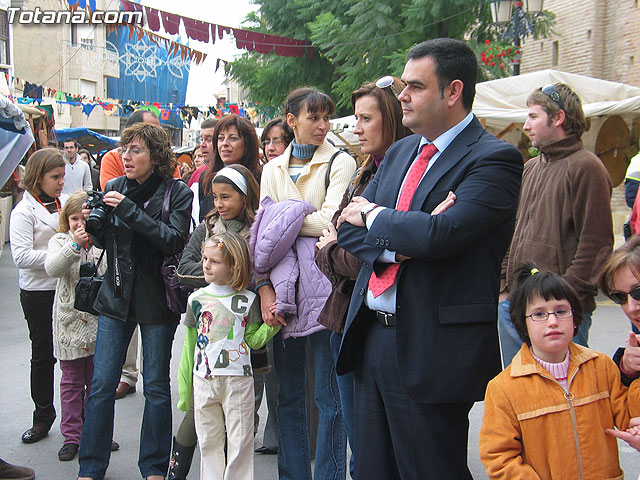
pixel 68 140
pixel 454 60
pixel 138 117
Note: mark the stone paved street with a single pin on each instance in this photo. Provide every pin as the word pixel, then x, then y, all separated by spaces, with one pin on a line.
pixel 609 330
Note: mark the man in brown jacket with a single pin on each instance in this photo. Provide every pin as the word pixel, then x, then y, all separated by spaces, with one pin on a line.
pixel 564 215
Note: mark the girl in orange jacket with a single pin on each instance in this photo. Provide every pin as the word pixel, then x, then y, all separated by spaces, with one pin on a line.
pixel 546 414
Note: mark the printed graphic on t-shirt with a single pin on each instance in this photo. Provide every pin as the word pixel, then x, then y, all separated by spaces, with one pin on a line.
pixel 220 345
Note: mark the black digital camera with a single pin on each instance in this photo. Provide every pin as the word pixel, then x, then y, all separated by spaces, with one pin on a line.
pixel 99 211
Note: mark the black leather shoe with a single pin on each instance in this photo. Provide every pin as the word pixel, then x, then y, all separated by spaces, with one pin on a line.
pixel 266 451
pixel 32 435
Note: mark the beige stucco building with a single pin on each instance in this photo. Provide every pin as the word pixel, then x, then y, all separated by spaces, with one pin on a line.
pixel 73 58
pixel 597 38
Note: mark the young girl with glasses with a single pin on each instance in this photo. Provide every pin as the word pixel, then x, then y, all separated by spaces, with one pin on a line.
pixel 546 414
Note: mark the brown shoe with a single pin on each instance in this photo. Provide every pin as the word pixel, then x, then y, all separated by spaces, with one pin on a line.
pixel 124 389
pixel 68 452
pixel 14 472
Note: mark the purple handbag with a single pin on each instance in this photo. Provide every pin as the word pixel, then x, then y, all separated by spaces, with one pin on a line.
pixel 177 294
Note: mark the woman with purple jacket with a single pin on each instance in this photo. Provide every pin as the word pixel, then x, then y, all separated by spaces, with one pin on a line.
pixel 300 173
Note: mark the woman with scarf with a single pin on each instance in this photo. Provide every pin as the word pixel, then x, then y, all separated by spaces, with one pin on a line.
pixel 133 293
pixel 312 170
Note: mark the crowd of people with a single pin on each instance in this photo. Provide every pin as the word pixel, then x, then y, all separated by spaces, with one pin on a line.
pixel 440 271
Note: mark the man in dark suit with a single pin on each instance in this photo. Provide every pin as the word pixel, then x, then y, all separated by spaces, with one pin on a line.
pixel 421 330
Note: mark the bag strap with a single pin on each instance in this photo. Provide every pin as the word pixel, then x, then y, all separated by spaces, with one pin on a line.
pixel 328 174
pixel 166 201
pixel 166 204
pixel 99 260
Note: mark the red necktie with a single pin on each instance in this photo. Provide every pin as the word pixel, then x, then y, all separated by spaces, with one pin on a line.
pixel 379 284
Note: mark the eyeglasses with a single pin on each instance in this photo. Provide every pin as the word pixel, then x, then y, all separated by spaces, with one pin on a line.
pixel 560 314
pixel 552 92
pixel 621 297
pixel 275 141
pixel 132 150
pixel 388 82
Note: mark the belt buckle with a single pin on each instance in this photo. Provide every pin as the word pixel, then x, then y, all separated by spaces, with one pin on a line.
pixel 386 316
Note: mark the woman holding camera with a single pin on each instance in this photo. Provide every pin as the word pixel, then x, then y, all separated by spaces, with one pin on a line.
pixel 128 226
pixel 34 221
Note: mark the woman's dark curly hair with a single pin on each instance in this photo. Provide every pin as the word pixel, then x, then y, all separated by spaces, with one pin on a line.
pixel 157 141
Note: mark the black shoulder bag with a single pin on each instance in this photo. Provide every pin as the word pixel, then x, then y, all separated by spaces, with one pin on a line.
pixel 87 287
pixel 177 294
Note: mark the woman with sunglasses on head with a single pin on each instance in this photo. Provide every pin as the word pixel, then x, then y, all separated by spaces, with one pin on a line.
pixel 129 226
pixel 34 220
pixel 275 139
pixel 310 169
pixel 620 281
pixel 378 124
pixel 235 142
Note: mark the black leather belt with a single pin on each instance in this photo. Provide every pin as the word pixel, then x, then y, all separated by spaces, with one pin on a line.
pixel 386 319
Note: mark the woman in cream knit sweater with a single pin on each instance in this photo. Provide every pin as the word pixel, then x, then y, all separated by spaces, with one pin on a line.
pixel 310 169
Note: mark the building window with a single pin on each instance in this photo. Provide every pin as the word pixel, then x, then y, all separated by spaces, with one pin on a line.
pixel 87 88
pixel 82 36
pixel 4 38
pixel 589 34
pixel 554 54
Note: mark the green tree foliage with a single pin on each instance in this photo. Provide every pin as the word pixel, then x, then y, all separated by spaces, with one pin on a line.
pixel 355 41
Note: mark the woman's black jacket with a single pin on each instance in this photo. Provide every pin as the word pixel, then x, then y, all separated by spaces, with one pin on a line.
pixel 141 296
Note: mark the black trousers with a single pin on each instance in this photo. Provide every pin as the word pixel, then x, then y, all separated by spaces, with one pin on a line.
pixel 395 436
pixel 37 307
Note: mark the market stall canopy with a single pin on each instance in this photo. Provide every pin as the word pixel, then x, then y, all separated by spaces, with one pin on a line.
pixel 503 102
pixel 92 141
pixel 15 138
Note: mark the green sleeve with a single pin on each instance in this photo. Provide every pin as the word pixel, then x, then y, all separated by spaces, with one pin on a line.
pixel 257 333
pixel 185 369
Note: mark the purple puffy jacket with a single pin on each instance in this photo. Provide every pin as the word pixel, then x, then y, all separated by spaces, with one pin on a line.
pixel 288 260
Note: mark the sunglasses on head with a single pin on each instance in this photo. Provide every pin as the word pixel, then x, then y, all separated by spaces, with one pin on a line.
pixel 387 82
pixel 621 297
pixel 552 92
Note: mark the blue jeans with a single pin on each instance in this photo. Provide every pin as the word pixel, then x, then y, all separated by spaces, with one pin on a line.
pixel 155 437
pixel 346 386
pixel 294 462
pixel 510 341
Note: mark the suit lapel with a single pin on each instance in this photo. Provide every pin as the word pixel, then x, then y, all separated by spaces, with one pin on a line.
pixel 456 151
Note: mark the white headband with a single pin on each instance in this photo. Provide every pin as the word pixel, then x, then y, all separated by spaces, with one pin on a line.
pixel 235 176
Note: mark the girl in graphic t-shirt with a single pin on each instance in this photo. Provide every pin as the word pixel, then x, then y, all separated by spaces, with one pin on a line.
pixel 223 323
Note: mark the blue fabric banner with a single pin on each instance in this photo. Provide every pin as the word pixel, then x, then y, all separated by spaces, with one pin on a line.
pixel 148 74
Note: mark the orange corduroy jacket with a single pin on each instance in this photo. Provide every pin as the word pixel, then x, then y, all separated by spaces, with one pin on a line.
pixel 534 429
